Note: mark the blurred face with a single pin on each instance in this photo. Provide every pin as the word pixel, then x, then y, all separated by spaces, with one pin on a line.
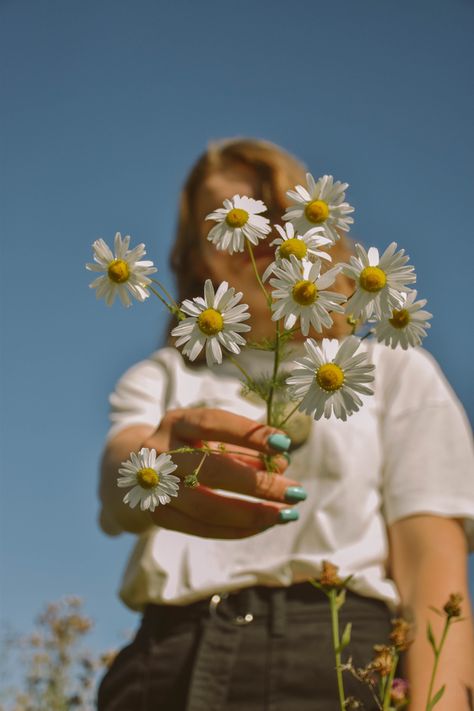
pixel 236 269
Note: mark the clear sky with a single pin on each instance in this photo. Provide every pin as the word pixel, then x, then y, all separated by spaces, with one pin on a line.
pixel 105 105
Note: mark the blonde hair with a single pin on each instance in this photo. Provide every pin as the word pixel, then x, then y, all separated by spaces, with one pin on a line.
pixel 276 171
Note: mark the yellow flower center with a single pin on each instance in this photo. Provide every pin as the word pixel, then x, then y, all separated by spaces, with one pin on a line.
pixel 305 292
pixel 400 319
pixel 118 271
pixel 210 322
pixel 147 478
pixel 237 217
pixel 372 279
pixel 330 377
pixel 317 211
pixel 293 246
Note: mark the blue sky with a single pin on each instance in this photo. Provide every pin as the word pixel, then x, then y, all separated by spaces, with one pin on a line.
pixel 105 105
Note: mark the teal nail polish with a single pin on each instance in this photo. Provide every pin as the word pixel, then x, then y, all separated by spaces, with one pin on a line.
pixel 287 457
pixel 280 442
pixel 287 515
pixel 293 494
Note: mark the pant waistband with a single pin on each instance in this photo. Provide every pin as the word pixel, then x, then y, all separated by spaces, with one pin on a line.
pixel 259 601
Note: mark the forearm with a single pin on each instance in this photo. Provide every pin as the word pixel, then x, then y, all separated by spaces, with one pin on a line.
pixel 435 579
pixel 116 516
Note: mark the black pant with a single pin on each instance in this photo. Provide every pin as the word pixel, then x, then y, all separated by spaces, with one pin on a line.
pixel 261 649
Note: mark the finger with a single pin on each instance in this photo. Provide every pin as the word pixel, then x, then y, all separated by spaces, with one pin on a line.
pixel 256 460
pixel 204 424
pixel 206 505
pixel 251 482
pixel 174 520
pixel 220 471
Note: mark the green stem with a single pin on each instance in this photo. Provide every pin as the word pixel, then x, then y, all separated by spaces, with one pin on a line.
pixel 199 466
pixel 165 291
pixel 388 687
pixel 163 301
pixel 235 362
pixel 292 412
pixel 194 450
pixel 268 298
pixel 276 365
pixel 336 644
pixel 437 653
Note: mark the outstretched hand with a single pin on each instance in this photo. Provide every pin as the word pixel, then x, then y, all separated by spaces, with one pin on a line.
pixel 238 468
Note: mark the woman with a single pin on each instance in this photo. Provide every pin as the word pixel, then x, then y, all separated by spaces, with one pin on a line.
pixel 229 621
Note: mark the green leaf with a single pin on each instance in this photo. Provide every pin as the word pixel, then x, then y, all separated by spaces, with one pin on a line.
pixel 436 698
pixel 431 639
pixel 346 636
pixel 340 599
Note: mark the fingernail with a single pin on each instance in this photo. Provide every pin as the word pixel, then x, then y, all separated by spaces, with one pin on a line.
pixel 287 515
pixel 280 442
pixel 287 457
pixel 294 494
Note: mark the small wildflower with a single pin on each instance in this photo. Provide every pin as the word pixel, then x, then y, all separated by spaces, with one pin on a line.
pixel 383 661
pixel 213 322
pixel 400 634
pixel 125 272
pixel 300 291
pixel 329 577
pixel 381 281
pixel 320 203
pixel 406 326
pixel 330 377
pixel 399 692
pixel 151 479
pixel 453 607
pixel 237 221
pixel 302 247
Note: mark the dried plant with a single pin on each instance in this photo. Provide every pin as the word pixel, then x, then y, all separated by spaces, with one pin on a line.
pixel 58 673
pixel 389 693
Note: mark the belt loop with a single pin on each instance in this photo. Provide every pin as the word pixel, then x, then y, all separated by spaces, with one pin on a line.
pixel 278 612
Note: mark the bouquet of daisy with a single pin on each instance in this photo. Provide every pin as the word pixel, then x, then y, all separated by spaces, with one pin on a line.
pixel 329 379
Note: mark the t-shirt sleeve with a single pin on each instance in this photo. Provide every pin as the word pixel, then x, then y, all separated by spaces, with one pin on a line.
pixel 427 444
pixel 139 397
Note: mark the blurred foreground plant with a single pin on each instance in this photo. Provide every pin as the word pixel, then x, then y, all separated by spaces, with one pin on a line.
pixel 58 674
pixel 390 693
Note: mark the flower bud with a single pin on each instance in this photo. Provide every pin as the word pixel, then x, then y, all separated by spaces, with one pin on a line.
pixel 400 634
pixel 399 692
pixel 383 660
pixel 453 606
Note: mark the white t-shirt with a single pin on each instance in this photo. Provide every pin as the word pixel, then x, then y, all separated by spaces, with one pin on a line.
pixel 408 450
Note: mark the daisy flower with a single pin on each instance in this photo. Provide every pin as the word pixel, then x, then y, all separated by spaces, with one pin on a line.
pixel 299 293
pixel 213 321
pixel 124 273
pixel 301 246
pixel 330 377
pixel 407 325
pixel 237 221
pixel 320 203
pixel 380 281
pixel 151 479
